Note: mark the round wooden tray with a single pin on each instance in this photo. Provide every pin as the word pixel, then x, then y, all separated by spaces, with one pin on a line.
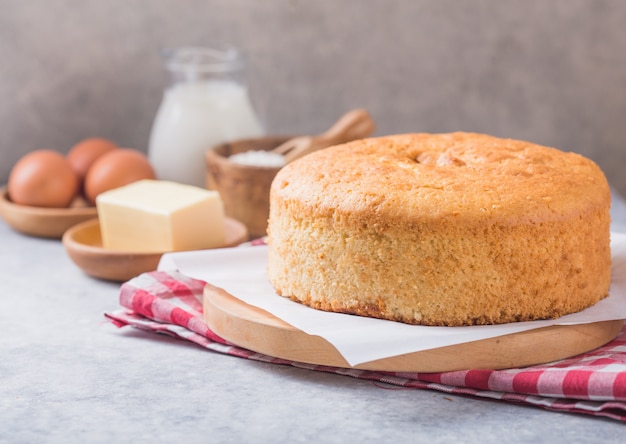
pixel 257 330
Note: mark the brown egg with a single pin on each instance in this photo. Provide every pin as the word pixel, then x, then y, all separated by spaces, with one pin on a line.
pixel 84 154
pixel 115 169
pixel 43 178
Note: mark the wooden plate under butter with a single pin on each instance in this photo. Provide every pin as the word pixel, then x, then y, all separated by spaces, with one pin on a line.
pixel 43 222
pixel 83 243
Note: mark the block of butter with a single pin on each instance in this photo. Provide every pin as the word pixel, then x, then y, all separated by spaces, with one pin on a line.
pixel 160 216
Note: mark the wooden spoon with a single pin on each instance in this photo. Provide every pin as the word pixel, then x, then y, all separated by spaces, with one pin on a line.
pixel 355 124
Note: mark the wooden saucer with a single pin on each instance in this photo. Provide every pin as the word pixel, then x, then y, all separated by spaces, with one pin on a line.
pixel 83 243
pixel 257 330
pixel 43 222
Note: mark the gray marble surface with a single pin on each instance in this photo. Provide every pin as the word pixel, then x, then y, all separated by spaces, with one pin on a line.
pixel 68 376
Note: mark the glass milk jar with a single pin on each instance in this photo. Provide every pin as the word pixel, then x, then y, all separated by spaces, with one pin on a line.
pixel 206 103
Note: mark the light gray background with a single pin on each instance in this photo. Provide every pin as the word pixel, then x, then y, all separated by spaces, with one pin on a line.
pixel 549 71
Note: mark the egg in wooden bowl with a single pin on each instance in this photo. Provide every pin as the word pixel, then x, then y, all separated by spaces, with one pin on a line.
pixel 48 192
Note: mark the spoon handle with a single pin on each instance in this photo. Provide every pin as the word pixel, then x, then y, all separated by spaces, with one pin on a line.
pixel 355 124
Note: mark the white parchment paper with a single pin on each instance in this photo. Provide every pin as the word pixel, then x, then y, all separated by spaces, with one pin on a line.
pixel 241 272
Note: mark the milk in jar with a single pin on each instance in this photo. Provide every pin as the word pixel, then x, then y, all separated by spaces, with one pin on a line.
pixel 206 104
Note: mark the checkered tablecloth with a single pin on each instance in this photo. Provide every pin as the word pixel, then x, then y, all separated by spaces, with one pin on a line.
pixel 593 383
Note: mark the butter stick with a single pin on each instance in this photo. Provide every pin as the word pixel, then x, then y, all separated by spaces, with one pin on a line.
pixel 160 216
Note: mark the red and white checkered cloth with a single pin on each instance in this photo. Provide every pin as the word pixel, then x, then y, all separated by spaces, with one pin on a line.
pixel 593 383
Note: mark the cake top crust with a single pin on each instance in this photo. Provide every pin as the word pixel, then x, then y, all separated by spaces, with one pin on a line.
pixel 428 178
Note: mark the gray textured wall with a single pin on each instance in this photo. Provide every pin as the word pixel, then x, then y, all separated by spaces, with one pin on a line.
pixel 549 71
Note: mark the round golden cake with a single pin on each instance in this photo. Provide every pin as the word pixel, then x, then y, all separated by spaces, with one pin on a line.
pixel 441 229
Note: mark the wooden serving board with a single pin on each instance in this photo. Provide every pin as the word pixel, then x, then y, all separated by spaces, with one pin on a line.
pixel 257 330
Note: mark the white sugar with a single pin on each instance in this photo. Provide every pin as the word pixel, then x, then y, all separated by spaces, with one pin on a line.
pixel 258 158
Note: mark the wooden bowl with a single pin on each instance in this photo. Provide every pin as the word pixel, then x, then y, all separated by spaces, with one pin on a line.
pixel 83 244
pixel 245 189
pixel 43 222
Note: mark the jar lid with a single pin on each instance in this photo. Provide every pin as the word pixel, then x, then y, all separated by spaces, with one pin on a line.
pixel 202 59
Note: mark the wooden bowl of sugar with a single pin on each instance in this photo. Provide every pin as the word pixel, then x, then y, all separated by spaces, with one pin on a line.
pixel 242 172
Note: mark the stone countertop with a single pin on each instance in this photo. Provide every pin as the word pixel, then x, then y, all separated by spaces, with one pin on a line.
pixel 69 376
